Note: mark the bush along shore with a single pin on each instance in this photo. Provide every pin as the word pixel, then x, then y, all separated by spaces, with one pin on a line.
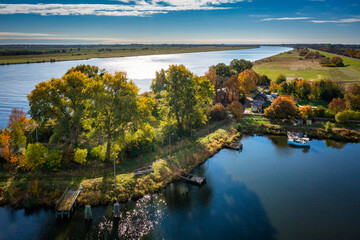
pixel 97 191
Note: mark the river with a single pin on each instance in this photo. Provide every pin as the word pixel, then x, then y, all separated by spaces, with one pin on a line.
pixel 267 191
pixel 17 81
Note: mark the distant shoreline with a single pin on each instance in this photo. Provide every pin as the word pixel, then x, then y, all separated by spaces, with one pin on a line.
pixel 86 53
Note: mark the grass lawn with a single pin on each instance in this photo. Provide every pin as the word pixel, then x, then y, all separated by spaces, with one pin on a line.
pixel 291 66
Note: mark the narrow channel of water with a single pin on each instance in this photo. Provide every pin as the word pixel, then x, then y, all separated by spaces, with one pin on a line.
pixel 267 191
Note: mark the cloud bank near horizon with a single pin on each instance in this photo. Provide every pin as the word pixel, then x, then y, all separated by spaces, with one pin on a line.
pixel 126 8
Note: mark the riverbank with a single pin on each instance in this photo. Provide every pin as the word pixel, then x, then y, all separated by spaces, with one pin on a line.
pixel 258 124
pixel 29 190
pixel 109 52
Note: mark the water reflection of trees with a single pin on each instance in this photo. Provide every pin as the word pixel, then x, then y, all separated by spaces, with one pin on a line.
pixel 279 141
pixel 334 144
pixel 222 209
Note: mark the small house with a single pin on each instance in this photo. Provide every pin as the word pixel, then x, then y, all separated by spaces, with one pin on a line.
pixel 257 106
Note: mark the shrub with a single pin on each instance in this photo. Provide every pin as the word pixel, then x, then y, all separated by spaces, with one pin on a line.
pixel 328 128
pixel 140 142
pixel 239 127
pixel 345 116
pixel 217 112
pixel 80 155
pixel 35 156
pixel 53 160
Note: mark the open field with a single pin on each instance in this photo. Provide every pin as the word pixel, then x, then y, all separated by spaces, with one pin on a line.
pixel 87 52
pixel 294 66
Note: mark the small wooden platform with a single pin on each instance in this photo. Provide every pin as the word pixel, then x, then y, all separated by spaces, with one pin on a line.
pixel 143 170
pixel 191 178
pixel 67 203
pixel 234 146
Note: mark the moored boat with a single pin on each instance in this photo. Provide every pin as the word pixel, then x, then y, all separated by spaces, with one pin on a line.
pixel 298 140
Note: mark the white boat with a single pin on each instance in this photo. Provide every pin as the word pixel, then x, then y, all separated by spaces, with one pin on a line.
pixel 298 140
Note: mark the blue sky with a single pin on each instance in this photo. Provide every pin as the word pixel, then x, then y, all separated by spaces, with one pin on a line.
pixel 180 21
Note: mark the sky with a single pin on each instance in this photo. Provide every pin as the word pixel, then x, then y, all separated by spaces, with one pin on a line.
pixel 179 21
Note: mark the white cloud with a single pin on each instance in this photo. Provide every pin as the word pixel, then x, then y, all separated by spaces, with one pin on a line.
pixel 127 8
pixel 285 19
pixel 346 20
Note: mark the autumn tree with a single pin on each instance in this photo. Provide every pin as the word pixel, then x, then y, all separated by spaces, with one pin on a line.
pixel 337 105
pixel 337 61
pixel 282 107
pixel 239 65
pixel 352 98
pixel 306 112
pixel 5 138
pixel 62 100
pixel 19 124
pixel 236 109
pixel 247 81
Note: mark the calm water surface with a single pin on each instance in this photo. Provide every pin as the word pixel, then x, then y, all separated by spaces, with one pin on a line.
pixel 268 191
pixel 17 81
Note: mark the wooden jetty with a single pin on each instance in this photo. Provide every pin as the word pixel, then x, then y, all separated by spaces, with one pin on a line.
pixel 191 178
pixel 234 146
pixel 143 170
pixel 67 202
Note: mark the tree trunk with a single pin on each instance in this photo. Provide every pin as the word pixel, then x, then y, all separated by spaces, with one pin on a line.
pixel 108 147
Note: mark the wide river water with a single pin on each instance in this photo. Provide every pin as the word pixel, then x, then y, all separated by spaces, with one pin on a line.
pixel 17 81
pixel 267 191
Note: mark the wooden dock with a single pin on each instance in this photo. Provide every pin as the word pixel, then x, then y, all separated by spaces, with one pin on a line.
pixel 191 178
pixel 234 146
pixel 67 202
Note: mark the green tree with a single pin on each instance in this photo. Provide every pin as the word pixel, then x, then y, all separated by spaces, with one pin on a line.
pixel 239 65
pixel 222 70
pixel 115 106
pixel 303 89
pixel 187 96
pixel 159 83
pixel 62 100
pixel 279 79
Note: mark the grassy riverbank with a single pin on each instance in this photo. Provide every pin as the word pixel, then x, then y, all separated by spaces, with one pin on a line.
pixel 293 66
pixel 98 51
pixel 30 189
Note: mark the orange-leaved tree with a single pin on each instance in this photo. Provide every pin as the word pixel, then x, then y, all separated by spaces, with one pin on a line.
pixel 306 112
pixel 282 107
pixel 247 81
pixel 337 105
